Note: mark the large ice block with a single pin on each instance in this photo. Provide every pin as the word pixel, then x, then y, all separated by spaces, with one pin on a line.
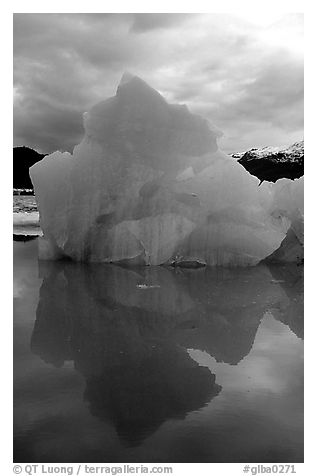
pixel 148 185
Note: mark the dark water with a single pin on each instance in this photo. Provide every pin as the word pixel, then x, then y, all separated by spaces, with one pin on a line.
pixel 156 365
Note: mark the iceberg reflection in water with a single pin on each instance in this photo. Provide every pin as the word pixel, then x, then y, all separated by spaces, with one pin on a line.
pixel 173 364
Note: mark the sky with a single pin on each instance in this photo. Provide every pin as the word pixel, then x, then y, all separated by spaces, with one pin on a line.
pixel 244 72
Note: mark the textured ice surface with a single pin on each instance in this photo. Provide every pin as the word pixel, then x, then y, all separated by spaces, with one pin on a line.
pixel 148 185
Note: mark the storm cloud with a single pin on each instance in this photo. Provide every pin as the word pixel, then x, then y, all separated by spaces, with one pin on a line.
pixel 245 76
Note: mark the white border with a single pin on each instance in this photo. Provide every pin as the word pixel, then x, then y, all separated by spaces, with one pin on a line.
pixel 310 201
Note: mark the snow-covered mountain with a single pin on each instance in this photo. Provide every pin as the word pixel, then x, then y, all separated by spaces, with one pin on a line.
pixel 273 163
pixel 293 153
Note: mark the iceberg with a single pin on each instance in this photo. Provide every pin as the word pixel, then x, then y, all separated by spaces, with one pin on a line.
pixel 148 185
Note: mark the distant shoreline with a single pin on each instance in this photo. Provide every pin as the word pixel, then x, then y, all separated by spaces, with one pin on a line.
pixel 23 191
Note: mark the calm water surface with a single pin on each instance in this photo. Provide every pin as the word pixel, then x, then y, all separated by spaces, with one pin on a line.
pixel 156 365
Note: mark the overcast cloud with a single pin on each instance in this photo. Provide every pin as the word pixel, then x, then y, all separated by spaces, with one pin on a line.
pixel 244 74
